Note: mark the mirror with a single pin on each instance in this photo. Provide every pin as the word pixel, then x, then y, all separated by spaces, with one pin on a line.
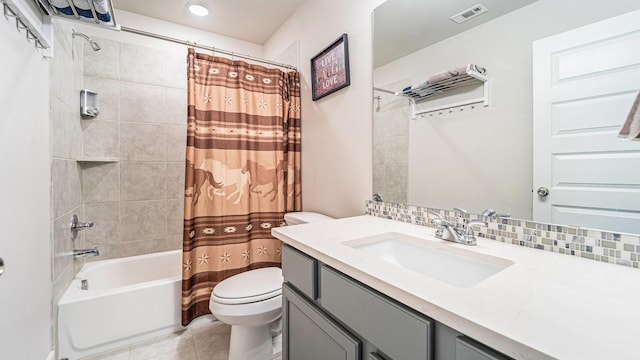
pixel 472 157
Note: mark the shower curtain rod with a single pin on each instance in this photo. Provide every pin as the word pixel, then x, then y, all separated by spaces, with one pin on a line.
pixel 384 90
pixel 209 48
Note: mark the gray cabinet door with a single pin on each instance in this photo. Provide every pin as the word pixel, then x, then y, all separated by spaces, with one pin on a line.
pixel 396 331
pixel 468 349
pixel 308 334
pixel 299 270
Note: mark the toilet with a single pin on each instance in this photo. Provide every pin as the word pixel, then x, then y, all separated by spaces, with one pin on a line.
pixel 251 302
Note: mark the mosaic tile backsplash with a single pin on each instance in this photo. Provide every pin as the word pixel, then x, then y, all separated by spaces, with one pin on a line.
pixel 604 246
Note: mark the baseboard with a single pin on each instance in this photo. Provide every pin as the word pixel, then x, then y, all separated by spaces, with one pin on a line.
pixel 51 355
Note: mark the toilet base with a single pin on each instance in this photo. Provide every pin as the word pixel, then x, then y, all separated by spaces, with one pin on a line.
pixel 253 343
pixel 277 346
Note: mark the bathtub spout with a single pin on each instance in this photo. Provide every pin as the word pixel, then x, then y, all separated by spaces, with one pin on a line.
pixel 82 253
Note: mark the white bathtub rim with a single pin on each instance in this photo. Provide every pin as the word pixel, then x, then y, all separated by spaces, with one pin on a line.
pixel 74 293
pixel 101 263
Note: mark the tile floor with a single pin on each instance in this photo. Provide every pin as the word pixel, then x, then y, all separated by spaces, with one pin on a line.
pixel 202 340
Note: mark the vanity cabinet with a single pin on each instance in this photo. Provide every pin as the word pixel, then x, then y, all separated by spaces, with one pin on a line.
pixel 468 349
pixel 398 332
pixel 312 335
pixel 328 315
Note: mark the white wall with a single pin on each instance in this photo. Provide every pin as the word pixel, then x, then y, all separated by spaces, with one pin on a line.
pixel 25 287
pixel 336 130
pixel 482 158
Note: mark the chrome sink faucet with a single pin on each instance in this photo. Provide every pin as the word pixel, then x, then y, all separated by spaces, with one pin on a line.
pixel 462 235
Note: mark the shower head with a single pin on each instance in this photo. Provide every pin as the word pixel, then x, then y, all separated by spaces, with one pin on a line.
pixel 94 45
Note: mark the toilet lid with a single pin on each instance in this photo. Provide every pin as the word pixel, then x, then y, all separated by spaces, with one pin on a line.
pixel 250 286
pixel 304 217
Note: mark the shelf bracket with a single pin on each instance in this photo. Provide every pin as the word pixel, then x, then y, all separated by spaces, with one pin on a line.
pixel 37 28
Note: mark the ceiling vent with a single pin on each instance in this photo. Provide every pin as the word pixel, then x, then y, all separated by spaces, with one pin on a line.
pixel 469 13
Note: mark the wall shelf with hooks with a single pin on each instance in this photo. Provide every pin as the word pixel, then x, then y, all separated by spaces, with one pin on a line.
pixel 91 12
pixel 27 18
pixel 470 77
pixel 34 17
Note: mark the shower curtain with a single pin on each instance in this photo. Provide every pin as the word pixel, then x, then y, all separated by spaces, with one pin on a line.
pixel 242 171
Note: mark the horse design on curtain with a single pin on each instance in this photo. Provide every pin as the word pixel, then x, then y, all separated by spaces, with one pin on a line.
pixel 242 171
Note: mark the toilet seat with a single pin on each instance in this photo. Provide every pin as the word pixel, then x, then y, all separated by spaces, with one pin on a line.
pixel 246 300
pixel 249 287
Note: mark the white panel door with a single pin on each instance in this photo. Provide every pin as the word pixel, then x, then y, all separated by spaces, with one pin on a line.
pixel 584 83
pixel 25 284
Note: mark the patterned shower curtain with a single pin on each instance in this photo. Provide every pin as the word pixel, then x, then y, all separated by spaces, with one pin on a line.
pixel 242 171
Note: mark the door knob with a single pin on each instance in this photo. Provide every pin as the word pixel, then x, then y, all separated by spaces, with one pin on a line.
pixel 1 266
pixel 543 191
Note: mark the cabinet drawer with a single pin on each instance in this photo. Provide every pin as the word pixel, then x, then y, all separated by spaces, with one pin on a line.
pixel 468 349
pixel 310 335
pixel 299 270
pixel 398 332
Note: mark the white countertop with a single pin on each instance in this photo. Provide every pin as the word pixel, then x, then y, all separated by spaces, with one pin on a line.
pixel 544 306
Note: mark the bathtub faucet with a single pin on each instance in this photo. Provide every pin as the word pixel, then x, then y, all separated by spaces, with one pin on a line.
pixel 82 253
pixel 76 226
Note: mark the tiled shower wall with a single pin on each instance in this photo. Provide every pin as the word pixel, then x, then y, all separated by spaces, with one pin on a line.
pixel 391 144
pixel 66 145
pixel 137 202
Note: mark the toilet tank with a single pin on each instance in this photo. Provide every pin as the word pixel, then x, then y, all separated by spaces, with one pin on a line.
pixel 303 217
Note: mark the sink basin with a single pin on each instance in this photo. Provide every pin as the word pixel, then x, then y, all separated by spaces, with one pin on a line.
pixel 440 261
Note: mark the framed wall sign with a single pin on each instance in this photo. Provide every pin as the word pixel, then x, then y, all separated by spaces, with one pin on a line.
pixel 330 69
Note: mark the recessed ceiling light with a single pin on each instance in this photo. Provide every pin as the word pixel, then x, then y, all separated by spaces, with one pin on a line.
pixel 197 8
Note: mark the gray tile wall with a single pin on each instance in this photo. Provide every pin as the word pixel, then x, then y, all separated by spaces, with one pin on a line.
pixel 137 202
pixel 391 144
pixel 66 145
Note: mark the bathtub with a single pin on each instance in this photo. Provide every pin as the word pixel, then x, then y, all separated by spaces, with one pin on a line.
pixel 128 300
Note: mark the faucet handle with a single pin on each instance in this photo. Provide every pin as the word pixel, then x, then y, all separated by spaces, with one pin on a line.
pixel 438 219
pixel 438 222
pixel 477 222
pixel 493 214
pixel 460 210
pixel 468 230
